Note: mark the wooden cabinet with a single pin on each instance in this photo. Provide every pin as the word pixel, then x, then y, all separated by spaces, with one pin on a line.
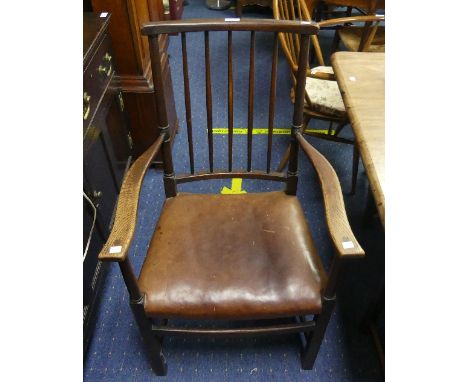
pixel 133 66
pixel 107 144
pixel 173 9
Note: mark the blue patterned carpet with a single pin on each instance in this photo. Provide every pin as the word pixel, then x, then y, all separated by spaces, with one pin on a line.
pixel 116 351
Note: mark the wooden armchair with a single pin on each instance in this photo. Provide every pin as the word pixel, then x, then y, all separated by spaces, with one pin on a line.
pixel 353 37
pixel 273 269
pixel 323 97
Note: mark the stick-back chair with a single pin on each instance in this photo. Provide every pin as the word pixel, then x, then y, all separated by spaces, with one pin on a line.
pixel 230 257
pixel 353 37
pixel 323 97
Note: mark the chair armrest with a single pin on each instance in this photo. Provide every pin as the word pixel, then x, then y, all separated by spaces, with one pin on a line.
pixel 121 236
pixel 321 75
pixel 341 234
pixel 351 19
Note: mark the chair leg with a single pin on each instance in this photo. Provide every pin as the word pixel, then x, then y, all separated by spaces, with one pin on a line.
pixel 340 127
pixel 152 343
pixel 336 42
pixel 309 353
pixel 355 168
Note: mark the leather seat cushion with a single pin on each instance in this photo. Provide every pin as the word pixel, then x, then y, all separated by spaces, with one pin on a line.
pixel 242 256
pixel 351 38
pixel 325 95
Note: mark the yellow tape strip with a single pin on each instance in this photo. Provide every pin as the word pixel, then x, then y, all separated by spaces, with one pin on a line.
pixel 244 131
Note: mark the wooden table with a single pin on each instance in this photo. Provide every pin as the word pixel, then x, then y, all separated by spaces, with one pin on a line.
pixel 361 79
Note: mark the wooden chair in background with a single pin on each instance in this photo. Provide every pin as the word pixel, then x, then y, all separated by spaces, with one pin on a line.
pixel 354 36
pixel 243 3
pixel 231 257
pixel 323 97
pixel 328 9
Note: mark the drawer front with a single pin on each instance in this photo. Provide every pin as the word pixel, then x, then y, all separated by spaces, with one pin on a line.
pixel 176 7
pixel 93 239
pixel 99 174
pixel 96 77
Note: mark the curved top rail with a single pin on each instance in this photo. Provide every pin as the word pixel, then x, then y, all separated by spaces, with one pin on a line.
pixel 232 24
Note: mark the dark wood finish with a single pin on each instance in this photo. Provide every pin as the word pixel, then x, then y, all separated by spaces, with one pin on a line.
pixel 211 25
pixel 239 332
pixel 132 61
pixel 176 8
pixel 310 352
pixel 251 100
pixel 370 6
pixel 151 342
pixel 188 107
pixel 243 3
pixel 375 310
pixel 298 114
pixel 106 150
pixel 209 112
pixel 324 9
pixel 162 120
pixel 271 107
pixel 263 212
pixel 252 174
pixel 130 280
pixel 230 102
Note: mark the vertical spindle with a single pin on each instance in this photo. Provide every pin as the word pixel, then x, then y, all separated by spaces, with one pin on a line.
pixel 271 111
pixel 230 101
pixel 209 111
pixel 188 108
pixel 251 101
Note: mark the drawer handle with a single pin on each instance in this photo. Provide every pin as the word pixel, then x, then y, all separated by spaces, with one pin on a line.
pixel 86 105
pixel 103 69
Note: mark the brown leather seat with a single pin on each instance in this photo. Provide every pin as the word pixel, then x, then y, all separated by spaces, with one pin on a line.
pixel 232 256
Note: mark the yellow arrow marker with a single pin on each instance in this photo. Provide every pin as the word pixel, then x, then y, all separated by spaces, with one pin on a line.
pixel 236 188
pixel 244 131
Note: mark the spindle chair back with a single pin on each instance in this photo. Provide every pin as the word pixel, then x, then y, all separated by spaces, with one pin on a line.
pixel 273 269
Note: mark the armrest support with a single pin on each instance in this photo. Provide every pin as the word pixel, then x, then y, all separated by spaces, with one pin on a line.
pixel 321 75
pixel 121 236
pixel 341 234
pixel 351 19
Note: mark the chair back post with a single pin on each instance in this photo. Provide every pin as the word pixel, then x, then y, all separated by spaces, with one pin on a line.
pixel 368 35
pixel 291 183
pixel 170 187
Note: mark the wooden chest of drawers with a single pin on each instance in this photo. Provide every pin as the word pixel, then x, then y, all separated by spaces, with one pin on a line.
pixel 132 61
pixel 107 144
